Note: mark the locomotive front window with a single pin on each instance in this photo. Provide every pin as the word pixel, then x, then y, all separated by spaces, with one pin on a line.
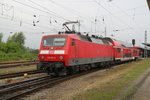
pixel 54 41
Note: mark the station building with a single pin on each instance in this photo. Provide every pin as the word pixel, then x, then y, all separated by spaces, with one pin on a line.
pixel 142 54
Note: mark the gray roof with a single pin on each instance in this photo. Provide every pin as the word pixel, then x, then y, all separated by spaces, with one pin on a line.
pixel 147 44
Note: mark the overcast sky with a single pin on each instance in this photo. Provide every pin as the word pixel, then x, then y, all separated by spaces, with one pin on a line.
pixel 124 19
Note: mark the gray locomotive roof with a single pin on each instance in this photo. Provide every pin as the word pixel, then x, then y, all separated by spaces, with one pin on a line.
pixel 124 44
pixel 93 39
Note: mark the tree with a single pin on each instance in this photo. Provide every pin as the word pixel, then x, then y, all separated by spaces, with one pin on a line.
pixel 18 38
pixel 3 47
pixel 1 36
pixel 13 47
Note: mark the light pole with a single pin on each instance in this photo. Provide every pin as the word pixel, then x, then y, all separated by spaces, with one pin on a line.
pixel 145 48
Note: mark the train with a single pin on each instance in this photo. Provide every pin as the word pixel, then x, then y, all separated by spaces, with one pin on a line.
pixel 67 53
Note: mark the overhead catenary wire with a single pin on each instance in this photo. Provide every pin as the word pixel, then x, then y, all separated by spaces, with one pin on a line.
pixel 111 13
pixel 41 10
pixel 19 20
pixel 73 11
pixel 66 8
pixel 12 30
pixel 24 22
pixel 116 17
pixel 70 9
pixel 130 16
pixel 48 12
pixel 6 18
pixel 119 11
pixel 112 23
pixel 28 13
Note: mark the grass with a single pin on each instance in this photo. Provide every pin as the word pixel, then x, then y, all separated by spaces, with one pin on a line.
pixel 129 93
pixel 112 89
pixel 17 69
pixel 17 56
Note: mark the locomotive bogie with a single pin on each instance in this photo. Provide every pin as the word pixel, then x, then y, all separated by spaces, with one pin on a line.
pixel 53 68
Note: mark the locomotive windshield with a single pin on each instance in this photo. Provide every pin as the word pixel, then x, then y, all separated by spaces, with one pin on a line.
pixel 54 41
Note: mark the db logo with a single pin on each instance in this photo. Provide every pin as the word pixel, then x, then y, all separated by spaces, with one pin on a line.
pixel 52 47
pixel 51 52
pixel 51 57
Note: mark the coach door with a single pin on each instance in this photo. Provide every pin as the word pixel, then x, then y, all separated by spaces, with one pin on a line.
pixel 122 54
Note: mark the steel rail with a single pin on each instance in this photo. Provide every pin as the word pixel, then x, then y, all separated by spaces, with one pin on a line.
pixel 11 75
pixel 13 91
pixel 17 62
pixel 10 65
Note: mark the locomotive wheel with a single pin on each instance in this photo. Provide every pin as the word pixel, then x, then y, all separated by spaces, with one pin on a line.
pixel 75 69
pixel 89 67
pixel 39 66
pixel 69 71
pixel 109 65
pixel 63 72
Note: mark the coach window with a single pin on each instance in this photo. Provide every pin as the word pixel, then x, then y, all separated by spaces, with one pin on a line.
pixel 73 42
pixel 118 50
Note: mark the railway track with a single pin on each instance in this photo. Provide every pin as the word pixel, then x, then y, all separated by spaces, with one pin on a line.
pixel 19 74
pixel 19 89
pixel 13 91
pixel 16 64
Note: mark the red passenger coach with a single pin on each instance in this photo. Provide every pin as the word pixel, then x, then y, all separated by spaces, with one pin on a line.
pixel 136 53
pixel 65 53
pixel 123 51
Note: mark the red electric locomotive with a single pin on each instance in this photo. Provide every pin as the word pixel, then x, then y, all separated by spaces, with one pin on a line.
pixel 64 53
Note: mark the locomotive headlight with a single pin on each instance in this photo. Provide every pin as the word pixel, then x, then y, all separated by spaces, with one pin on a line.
pixel 42 57
pixel 61 57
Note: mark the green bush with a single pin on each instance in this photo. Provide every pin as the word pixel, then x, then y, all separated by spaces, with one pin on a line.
pixel 14 48
pixel 15 51
pixel 3 47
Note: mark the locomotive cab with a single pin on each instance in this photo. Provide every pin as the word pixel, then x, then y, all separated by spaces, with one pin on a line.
pixel 52 48
pixel 52 53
